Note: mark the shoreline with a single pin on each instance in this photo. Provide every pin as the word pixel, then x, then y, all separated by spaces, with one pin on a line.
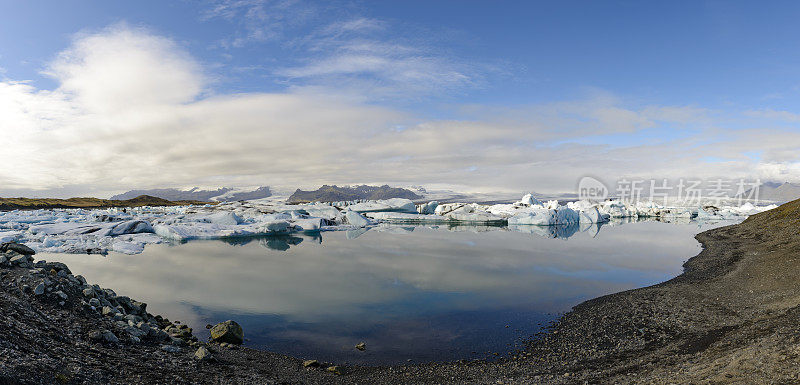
pixel 730 317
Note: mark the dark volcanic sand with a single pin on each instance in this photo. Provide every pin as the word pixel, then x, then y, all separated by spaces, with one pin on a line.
pixel 732 317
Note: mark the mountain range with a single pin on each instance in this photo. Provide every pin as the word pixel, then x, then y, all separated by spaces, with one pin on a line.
pixel 776 192
pixel 335 193
pixel 223 194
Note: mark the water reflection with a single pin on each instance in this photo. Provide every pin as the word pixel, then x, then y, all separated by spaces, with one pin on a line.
pixel 284 242
pixel 421 293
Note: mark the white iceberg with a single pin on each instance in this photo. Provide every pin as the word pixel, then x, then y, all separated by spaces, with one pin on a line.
pixel 394 204
pixel 356 219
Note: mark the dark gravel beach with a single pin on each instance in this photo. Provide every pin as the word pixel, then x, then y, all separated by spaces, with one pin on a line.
pixel 731 317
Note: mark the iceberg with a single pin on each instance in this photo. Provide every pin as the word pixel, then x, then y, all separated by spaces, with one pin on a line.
pixel 529 200
pixel 131 230
pixel 395 204
pixel 356 219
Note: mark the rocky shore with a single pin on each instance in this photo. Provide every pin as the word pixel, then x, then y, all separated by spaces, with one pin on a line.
pixel 731 317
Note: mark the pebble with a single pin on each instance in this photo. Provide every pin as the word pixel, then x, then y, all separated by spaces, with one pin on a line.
pixel 171 348
pixel 337 370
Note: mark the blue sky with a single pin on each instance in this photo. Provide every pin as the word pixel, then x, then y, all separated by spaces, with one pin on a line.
pixel 516 87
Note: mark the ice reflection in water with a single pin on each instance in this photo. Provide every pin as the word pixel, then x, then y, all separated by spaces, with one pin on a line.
pixel 419 293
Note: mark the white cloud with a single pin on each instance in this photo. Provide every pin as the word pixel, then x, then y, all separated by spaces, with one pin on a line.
pixel 260 20
pixel 125 68
pixel 357 55
pixel 131 111
pixel 769 113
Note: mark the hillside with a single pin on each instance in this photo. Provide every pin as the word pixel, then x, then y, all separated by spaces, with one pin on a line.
pixel 335 193
pixel 86 203
pixel 223 194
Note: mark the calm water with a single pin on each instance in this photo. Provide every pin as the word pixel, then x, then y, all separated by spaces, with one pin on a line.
pixel 408 292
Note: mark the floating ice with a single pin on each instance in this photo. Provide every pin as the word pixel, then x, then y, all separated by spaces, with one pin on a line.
pixel 394 204
pixel 356 219
pixel 130 230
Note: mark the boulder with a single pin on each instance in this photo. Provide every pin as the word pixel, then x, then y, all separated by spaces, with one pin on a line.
pixel 103 336
pixel 18 247
pixel 228 331
pixel 21 260
pixel 337 370
pixel 88 292
pixel 311 364
pixel 202 354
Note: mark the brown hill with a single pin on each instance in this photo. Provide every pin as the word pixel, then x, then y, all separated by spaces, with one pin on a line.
pixel 87 203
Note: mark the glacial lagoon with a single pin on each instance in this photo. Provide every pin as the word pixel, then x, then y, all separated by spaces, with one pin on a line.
pixel 411 293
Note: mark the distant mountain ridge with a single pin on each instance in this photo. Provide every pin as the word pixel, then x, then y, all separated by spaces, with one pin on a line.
pixel 777 192
pixel 335 193
pixel 223 194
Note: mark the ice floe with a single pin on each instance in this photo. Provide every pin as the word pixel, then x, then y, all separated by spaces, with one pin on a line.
pixel 130 230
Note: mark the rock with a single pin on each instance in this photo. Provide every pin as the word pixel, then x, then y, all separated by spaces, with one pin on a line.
pixel 361 346
pixel 57 266
pixel 103 336
pixel 109 311
pixel 159 334
pixel 337 370
pixel 39 290
pixel 145 328
pixel 109 337
pixel 3 260
pixel 228 331
pixel 171 348
pixel 96 335
pixel 138 307
pixel 202 354
pixel 135 332
pixel 21 260
pixel 311 364
pixel 88 292
pixel 18 247
pixel 94 302
pixel 61 294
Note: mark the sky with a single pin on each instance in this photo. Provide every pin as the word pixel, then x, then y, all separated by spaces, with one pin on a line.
pixel 99 97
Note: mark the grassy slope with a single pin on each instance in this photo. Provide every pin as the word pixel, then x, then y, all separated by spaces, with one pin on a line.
pixel 50 203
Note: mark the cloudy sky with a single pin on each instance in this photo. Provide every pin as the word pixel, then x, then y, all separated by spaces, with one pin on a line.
pixel 100 97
